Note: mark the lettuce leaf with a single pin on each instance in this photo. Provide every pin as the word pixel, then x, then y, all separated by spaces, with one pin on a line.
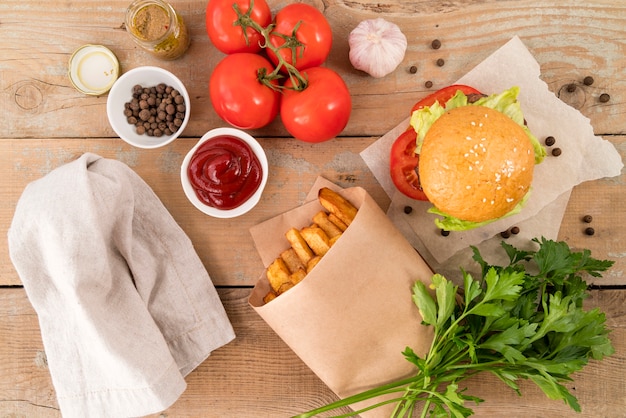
pixel 451 223
pixel 505 102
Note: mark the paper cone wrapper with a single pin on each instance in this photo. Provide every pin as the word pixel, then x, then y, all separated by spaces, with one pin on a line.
pixel 352 316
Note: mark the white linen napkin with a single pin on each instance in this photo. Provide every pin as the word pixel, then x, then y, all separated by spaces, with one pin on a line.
pixel 125 306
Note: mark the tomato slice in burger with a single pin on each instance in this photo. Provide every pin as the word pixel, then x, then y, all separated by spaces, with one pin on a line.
pixel 403 161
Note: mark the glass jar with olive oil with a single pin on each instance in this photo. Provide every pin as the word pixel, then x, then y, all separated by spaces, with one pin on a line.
pixel 155 26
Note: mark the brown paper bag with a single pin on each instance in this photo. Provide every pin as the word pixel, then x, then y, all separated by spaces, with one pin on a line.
pixel 352 316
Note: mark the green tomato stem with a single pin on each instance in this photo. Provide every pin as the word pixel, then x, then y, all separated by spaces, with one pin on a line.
pixel 298 81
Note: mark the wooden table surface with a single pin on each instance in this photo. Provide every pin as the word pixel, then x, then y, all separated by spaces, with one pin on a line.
pixel 46 123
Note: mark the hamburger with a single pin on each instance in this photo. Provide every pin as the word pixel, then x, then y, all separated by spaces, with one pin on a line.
pixel 476 158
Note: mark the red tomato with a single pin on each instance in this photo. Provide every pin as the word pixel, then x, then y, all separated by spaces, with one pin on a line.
pixel 320 111
pixel 226 34
pixel 238 96
pixel 312 30
pixel 403 162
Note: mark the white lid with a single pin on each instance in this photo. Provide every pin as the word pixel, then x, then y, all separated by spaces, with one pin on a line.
pixel 93 69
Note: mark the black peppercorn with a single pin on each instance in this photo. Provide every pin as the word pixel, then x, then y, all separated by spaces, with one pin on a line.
pixel 604 98
pixel 550 140
pixel 505 234
pixel 590 231
pixel 412 69
pixel 556 152
pixel 155 111
pixel 445 233
pixel 408 209
pixel 587 81
pixel 144 114
pixel 587 219
pixel 571 88
pixel 515 230
pixel 435 44
pixel 440 62
pixel 428 84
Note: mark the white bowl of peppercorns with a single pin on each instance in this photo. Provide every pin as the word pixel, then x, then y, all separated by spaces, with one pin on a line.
pixel 148 107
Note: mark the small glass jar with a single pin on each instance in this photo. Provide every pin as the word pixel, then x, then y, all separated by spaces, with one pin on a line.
pixel 93 69
pixel 155 26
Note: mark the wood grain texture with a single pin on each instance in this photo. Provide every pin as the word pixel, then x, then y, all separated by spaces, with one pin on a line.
pixel 570 40
pixel 46 123
pixel 257 375
pixel 226 247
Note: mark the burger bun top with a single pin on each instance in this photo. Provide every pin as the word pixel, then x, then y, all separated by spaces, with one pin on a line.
pixel 476 163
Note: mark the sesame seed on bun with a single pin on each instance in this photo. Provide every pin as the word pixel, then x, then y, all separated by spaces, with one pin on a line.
pixel 476 164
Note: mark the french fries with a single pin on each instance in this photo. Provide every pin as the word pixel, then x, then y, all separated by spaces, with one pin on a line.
pixel 317 239
pixel 309 244
pixel 299 245
pixel 337 205
pixel 331 229
pixel 291 259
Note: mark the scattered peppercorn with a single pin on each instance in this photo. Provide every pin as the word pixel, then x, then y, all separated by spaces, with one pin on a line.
pixel 445 233
pixel 587 219
pixel 556 152
pixel 408 209
pixel 412 69
pixel 515 230
pixel 440 62
pixel 550 140
pixel 587 81
pixel 571 88
pixel 435 44
pixel 155 111
pixel 590 231
pixel 604 97
pixel 505 234
pixel 428 84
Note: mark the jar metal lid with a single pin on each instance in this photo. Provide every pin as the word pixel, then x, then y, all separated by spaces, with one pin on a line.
pixel 93 69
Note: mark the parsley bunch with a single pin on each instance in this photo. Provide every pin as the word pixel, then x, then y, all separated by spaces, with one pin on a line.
pixel 521 321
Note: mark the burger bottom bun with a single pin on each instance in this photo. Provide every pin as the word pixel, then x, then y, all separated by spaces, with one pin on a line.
pixel 476 163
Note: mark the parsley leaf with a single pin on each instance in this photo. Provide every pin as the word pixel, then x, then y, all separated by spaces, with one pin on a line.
pixel 521 321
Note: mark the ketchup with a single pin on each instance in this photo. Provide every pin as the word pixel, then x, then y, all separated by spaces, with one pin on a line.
pixel 224 172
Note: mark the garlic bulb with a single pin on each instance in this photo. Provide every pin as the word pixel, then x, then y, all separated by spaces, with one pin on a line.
pixel 377 47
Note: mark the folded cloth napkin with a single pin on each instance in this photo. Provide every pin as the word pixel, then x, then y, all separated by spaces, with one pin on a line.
pixel 125 306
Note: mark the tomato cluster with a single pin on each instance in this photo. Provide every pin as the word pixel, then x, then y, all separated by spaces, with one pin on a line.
pixel 273 66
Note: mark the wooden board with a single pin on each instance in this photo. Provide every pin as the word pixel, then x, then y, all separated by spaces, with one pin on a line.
pixel 257 375
pixel 226 247
pixel 46 123
pixel 570 41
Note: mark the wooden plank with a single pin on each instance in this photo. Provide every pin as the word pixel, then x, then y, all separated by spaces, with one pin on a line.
pixel 224 245
pixel 258 375
pixel 570 41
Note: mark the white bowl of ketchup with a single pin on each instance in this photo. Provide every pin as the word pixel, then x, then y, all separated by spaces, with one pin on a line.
pixel 225 173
